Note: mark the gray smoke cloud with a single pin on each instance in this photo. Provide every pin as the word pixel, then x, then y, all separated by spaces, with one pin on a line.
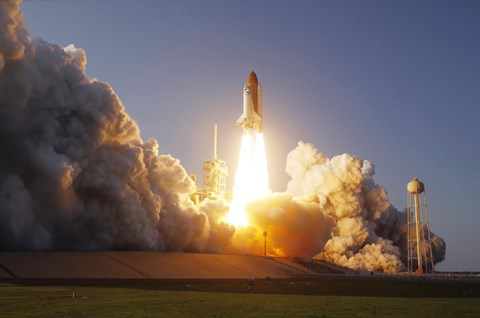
pixel 74 171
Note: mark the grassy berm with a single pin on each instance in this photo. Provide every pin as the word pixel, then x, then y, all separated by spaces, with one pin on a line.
pixel 227 299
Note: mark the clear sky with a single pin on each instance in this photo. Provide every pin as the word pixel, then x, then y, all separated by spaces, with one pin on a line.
pixel 394 82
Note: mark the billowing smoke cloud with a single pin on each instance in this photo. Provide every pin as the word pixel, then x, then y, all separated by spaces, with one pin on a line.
pixel 74 172
pixel 332 209
pixel 295 226
pixel 369 234
pixel 220 233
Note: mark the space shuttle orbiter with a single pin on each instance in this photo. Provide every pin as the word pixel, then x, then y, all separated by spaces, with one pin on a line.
pixel 252 104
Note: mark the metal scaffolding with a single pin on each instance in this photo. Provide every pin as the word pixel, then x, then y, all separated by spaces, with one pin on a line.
pixel 215 174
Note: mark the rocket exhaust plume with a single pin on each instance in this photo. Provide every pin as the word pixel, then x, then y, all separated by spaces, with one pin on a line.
pixel 251 177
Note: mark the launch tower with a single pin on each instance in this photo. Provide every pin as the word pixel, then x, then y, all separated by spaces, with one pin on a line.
pixel 420 260
pixel 215 174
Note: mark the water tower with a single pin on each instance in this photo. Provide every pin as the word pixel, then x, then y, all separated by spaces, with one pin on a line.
pixel 420 260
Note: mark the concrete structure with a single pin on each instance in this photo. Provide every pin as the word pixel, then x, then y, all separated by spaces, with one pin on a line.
pixel 141 265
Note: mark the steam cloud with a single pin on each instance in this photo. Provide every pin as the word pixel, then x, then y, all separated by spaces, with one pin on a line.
pixel 368 232
pixel 75 174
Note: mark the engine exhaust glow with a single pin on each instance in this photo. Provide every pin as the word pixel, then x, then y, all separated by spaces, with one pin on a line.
pixel 251 177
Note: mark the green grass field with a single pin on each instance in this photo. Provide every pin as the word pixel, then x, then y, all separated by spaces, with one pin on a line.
pixel 187 300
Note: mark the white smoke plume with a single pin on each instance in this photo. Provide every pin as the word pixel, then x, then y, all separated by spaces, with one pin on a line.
pixel 220 233
pixel 74 172
pixel 332 209
pixel 369 233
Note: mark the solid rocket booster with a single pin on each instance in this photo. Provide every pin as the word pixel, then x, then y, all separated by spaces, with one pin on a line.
pixel 252 104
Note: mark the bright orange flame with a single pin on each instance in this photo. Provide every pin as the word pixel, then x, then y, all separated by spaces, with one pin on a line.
pixel 251 178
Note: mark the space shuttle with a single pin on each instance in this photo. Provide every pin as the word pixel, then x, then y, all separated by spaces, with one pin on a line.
pixel 252 104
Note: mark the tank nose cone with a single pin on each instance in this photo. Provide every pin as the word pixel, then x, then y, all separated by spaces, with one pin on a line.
pixel 252 78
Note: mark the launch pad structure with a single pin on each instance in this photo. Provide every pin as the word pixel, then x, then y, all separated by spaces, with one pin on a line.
pixel 215 173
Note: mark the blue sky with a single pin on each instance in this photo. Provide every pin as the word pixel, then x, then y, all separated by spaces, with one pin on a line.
pixel 394 82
